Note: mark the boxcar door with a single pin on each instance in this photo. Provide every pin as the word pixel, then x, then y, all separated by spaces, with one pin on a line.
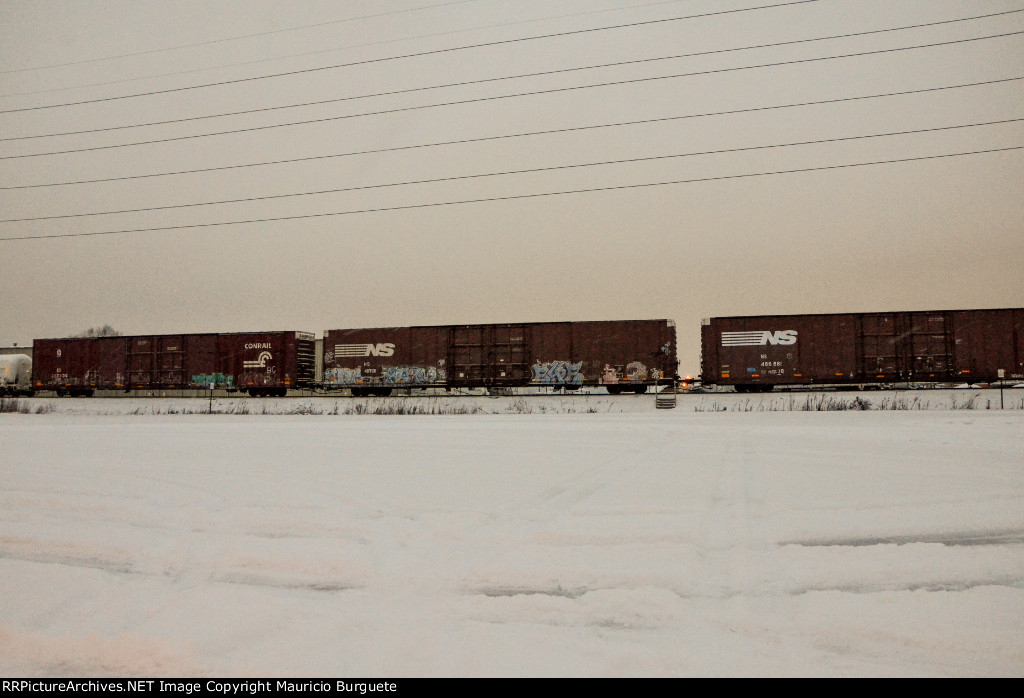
pixel 140 362
pixel 170 358
pixel 507 355
pixel 880 346
pixel 930 346
pixel 467 347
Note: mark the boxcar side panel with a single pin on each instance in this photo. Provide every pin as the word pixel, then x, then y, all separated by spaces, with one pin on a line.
pixel 385 357
pixel 986 341
pixel 778 350
pixel 47 366
pixel 157 362
pixel 110 355
pixel 202 367
pixel 862 348
pixel 63 364
pixel 258 360
pixel 554 355
pixel 502 355
pixel 625 353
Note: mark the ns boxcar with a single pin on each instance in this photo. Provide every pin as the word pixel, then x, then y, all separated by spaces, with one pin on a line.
pixel 756 353
pixel 621 356
pixel 260 363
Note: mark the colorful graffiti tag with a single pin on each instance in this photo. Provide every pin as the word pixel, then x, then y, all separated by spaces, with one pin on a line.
pixel 219 380
pixel 389 375
pixel 344 376
pixel 412 375
pixel 558 372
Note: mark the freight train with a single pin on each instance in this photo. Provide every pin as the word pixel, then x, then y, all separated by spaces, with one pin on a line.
pixel 621 356
pixel 747 354
pixel 758 353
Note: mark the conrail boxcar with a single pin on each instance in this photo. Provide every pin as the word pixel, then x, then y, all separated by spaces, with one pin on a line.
pixel 755 353
pixel 621 356
pixel 260 363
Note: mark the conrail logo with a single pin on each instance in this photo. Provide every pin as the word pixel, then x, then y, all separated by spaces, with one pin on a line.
pixel 342 351
pixel 758 338
pixel 260 362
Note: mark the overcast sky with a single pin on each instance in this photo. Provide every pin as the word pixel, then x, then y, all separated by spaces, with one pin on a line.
pixel 628 240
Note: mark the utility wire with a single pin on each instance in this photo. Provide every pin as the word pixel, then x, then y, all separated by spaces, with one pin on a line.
pixel 510 77
pixel 464 141
pixel 235 38
pixel 514 172
pixel 510 96
pixel 322 51
pixel 512 197
pixel 418 54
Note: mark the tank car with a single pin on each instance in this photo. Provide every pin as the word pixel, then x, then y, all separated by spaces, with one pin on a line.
pixel 16 375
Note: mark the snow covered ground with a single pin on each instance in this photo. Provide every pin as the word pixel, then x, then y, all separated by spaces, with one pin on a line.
pixel 550 537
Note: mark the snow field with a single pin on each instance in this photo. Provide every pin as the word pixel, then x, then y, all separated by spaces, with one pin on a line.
pixel 642 543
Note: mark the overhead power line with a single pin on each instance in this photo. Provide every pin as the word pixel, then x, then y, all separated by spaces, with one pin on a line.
pixel 525 134
pixel 520 76
pixel 533 93
pixel 532 170
pixel 512 197
pixel 418 54
pixel 335 49
pixel 235 38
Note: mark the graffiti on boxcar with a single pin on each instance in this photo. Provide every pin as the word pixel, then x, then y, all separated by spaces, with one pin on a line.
pixel 345 376
pixel 633 371
pixel 636 371
pixel 559 372
pixel 412 375
pixel 204 379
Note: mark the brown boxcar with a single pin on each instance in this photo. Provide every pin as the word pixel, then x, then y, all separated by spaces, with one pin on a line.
pixel 261 363
pixel 627 355
pixel 755 353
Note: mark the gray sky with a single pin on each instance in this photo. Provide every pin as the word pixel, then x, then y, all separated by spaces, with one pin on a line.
pixel 927 234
